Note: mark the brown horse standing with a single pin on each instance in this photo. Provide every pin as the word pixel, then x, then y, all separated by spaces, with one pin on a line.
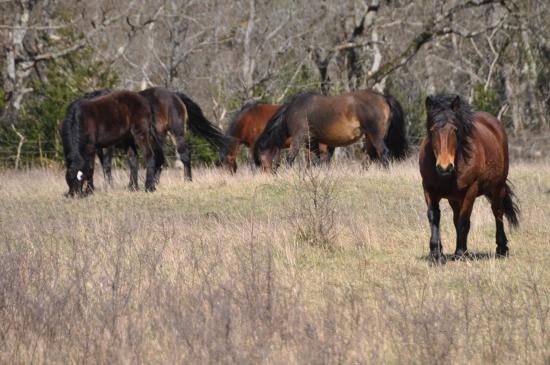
pixel 245 128
pixel 313 119
pixel 102 122
pixel 464 155
pixel 172 112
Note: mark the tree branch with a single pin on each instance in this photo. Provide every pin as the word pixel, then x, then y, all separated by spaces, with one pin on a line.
pixel 431 31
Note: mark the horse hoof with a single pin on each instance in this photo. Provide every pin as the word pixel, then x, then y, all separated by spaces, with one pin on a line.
pixel 461 254
pixel 502 252
pixel 437 258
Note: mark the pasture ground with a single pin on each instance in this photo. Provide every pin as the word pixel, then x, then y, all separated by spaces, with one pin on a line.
pixel 236 269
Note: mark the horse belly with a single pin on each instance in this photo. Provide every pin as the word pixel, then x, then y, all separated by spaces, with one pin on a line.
pixel 340 133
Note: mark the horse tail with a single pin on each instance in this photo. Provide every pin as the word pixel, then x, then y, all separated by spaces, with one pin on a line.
pixel 396 138
pixel 198 124
pixel 157 140
pixel 511 208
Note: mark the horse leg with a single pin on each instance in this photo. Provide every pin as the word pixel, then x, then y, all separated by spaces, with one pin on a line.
pixel 370 152
pixel 150 166
pixel 497 205
pixel 89 159
pixel 463 221
pixel 133 165
pixel 250 157
pixel 382 151
pixel 327 157
pixel 159 159
pixel 313 154
pixel 434 216
pixel 455 206
pixel 143 138
pixel 184 151
pixel 297 142
pixel 106 159
pixel 229 159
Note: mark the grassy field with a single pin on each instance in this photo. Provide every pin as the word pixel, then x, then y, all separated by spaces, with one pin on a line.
pixel 243 269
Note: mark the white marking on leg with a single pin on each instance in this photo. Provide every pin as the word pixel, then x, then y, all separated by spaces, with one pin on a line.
pixel 79 175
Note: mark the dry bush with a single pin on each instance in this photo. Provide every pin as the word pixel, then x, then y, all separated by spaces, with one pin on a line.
pixel 313 204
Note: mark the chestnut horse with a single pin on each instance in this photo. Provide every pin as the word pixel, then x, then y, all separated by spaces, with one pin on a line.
pixel 246 126
pixel 312 119
pixel 173 111
pixel 464 155
pixel 102 122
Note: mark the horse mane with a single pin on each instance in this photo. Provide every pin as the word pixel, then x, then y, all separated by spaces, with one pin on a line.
pixel 95 94
pixel 443 109
pixel 235 117
pixel 276 131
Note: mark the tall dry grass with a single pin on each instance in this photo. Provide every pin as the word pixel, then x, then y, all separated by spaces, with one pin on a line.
pixel 218 271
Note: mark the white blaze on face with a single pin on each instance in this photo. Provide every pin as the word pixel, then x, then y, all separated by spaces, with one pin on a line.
pixel 79 175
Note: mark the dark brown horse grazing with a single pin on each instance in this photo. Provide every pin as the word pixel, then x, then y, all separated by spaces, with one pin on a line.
pixel 464 155
pixel 172 111
pixel 247 125
pixel 102 122
pixel 310 118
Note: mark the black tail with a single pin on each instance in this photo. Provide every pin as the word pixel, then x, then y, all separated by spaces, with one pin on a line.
pixel 396 138
pixel 157 141
pixel 511 209
pixel 201 126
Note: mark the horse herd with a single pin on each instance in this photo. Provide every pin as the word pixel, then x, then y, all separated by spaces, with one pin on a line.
pixel 464 154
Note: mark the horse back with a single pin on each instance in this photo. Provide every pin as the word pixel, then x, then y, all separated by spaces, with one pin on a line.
pixel 109 118
pixel 170 111
pixel 489 145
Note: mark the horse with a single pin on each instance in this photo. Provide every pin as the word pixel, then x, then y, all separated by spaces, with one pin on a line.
pixel 173 112
pixel 246 126
pixel 464 155
pixel 102 122
pixel 312 118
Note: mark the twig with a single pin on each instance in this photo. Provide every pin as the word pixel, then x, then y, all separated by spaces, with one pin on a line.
pixel 19 146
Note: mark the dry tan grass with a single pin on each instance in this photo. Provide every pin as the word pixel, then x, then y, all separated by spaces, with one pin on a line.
pixel 216 271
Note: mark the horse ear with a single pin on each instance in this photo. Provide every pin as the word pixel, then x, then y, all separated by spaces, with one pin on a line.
pixel 455 105
pixel 429 102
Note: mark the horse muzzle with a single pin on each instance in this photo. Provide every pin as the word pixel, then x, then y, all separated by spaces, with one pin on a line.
pixel 445 171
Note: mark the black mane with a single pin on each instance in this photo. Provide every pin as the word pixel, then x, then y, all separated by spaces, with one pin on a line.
pixel 276 131
pixel 443 109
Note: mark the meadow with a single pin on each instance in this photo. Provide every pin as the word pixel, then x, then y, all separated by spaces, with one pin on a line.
pixel 318 266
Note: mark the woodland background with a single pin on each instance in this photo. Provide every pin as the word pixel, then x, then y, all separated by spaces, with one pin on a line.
pixel 223 53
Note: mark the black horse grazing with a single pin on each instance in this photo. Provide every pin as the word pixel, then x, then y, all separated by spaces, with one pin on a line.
pixel 172 110
pixel 102 122
pixel 313 119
